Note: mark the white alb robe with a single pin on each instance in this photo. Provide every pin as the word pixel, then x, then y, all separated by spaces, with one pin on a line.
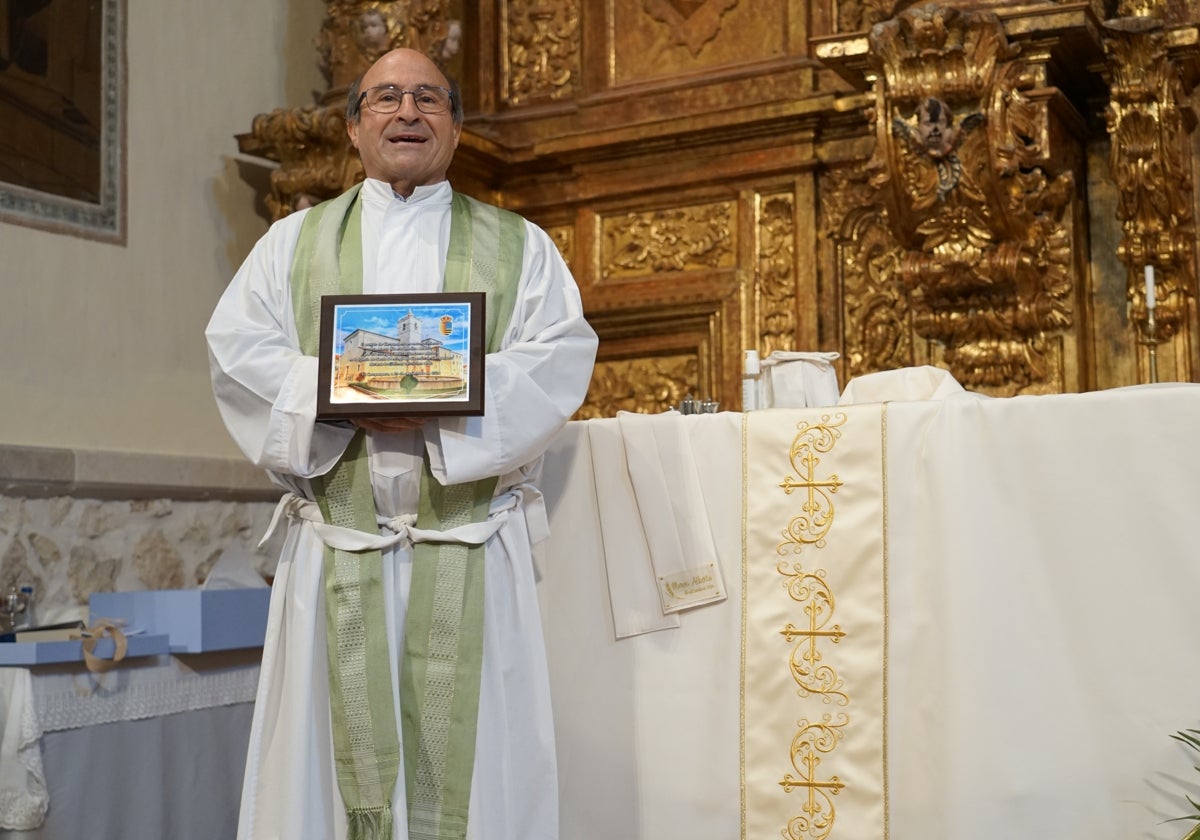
pixel 266 391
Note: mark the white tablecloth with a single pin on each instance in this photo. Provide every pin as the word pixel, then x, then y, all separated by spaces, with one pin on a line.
pixel 1043 621
pixel 153 748
pixel 1043 587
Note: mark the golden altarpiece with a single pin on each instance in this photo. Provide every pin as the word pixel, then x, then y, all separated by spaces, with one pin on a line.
pixel 977 186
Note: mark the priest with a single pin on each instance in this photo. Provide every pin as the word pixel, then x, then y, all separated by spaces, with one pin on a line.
pixel 403 691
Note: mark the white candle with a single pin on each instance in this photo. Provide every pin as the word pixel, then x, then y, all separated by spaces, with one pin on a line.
pixel 1149 287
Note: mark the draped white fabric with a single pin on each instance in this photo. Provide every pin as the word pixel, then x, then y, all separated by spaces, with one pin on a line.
pixel 67 697
pixel 624 549
pixel 1042 624
pixel 646 727
pixel 671 508
pixel 24 797
pixel 1041 629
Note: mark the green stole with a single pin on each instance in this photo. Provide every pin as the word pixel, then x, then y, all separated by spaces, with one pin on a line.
pixel 443 632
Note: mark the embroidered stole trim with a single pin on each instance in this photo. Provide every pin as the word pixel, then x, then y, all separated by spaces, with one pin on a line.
pixel 443 634
pixel 814 623
pixel 443 644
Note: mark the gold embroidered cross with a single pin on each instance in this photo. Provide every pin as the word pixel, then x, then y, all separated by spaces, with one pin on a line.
pixel 812 524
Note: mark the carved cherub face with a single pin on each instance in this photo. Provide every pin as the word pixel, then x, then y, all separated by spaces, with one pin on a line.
pixel 453 41
pixel 933 126
pixel 371 33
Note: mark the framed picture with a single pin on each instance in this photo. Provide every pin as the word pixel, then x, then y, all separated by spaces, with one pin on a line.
pixel 62 108
pixel 401 355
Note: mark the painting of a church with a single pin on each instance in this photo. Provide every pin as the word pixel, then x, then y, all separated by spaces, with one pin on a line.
pixel 408 365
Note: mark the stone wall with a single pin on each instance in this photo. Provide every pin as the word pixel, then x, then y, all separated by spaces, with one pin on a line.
pixel 73 523
pixel 69 548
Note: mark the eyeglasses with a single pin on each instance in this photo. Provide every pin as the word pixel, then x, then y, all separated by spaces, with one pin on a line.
pixel 386 99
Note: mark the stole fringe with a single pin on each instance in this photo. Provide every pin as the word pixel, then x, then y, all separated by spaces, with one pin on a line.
pixel 369 823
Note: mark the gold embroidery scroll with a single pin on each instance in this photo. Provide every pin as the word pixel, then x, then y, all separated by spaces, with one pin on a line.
pixel 814 626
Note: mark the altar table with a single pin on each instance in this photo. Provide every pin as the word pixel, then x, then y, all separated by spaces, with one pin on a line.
pixel 1041 630
pixel 1041 626
pixel 153 748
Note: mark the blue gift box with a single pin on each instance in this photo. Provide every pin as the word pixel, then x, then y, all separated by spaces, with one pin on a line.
pixel 195 620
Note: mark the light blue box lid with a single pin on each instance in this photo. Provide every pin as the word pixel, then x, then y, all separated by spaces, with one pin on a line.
pixel 48 653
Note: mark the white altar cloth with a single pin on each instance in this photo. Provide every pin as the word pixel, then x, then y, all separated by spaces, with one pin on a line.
pixel 1043 585
pixel 158 745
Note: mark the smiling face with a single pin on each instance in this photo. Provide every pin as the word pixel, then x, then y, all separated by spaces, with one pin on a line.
pixel 407 149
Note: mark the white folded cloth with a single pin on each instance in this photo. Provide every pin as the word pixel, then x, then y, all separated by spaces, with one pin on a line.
pixel 632 590
pixel 662 469
pixel 794 379
pixel 909 384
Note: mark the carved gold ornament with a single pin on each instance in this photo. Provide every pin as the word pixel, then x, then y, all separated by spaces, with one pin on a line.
pixel 776 273
pixel 692 23
pixel 543 50
pixel 853 15
pixel 878 322
pixel 677 239
pixel 975 201
pixel 564 240
pixel 641 385
pixel 1149 118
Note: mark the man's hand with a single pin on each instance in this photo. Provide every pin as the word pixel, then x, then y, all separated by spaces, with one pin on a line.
pixel 392 424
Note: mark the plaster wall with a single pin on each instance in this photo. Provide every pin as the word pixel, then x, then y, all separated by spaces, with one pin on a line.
pixel 103 344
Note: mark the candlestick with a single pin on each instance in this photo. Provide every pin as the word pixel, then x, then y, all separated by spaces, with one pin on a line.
pixel 1152 342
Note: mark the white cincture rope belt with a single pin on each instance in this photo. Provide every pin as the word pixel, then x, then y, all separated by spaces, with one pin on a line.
pixel 399 529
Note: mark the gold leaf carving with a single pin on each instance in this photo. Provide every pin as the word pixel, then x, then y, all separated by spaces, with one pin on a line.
pixel 776 255
pixel 315 157
pixel 875 311
pixel 564 239
pixel 1149 117
pixel 356 32
pixel 1143 8
pixel 975 197
pixel 679 239
pixel 316 160
pixel 854 15
pixel 353 35
pixel 646 385
pixel 543 50
pixel 692 23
